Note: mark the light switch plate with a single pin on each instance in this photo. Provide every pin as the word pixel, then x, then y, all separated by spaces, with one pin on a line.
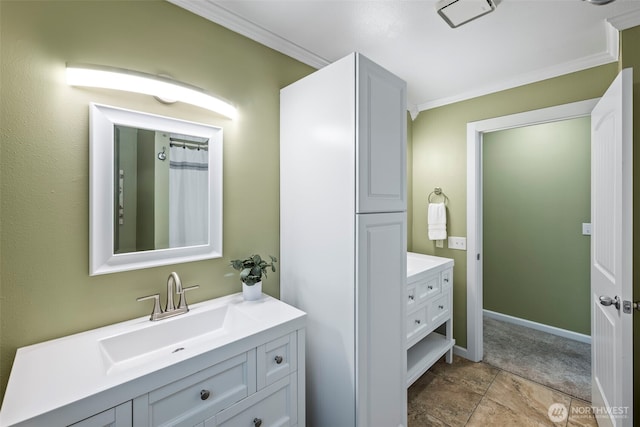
pixel 586 228
pixel 439 243
pixel 459 243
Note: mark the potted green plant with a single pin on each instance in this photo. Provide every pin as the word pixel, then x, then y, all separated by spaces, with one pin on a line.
pixel 252 269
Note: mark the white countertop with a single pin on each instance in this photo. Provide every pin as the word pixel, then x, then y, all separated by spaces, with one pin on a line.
pixel 60 372
pixel 417 263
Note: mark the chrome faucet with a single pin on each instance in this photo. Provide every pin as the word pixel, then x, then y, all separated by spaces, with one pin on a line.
pixel 170 309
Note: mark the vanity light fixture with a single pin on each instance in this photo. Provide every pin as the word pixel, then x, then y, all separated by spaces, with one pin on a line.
pixel 163 88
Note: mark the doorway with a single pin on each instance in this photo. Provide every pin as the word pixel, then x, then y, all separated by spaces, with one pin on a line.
pixel 475 135
pixel 536 257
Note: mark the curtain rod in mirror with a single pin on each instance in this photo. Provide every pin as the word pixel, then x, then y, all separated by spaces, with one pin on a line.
pixel 161 87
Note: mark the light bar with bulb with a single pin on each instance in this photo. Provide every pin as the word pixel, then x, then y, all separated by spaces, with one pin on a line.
pixel 148 84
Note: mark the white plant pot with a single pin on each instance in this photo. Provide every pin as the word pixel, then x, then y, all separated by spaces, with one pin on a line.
pixel 252 293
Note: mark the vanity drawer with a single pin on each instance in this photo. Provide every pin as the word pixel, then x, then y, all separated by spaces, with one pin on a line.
pixel 447 278
pixel 440 309
pixel 275 405
pixel 428 287
pixel 198 396
pixel 416 322
pixel 412 297
pixel 276 359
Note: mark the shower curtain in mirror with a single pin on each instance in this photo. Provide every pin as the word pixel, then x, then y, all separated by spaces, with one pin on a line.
pixel 188 197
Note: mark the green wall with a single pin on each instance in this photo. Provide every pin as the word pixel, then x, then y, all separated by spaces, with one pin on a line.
pixel 46 291
pixel 440 159
pixel 536 194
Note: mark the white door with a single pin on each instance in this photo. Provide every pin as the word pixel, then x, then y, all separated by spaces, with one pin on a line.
pixel 611 254
pixel 381 139
pixel 381 366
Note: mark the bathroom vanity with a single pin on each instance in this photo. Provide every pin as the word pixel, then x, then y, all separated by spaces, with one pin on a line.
pixel 227 362
pixel 429 306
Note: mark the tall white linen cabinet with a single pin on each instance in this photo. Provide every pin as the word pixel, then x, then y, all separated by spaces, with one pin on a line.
pixel 343 238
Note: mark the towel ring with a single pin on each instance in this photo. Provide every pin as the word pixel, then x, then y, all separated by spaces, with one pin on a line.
pixel 437 192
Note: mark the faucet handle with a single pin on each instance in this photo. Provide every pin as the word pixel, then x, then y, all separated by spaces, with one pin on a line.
pixel 156 305
pixel 182 304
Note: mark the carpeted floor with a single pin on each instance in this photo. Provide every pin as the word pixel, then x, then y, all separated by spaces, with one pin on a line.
pixel 557 362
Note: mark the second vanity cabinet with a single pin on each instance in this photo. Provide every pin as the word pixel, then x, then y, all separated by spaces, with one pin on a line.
pixel 429 300
pixel 249 372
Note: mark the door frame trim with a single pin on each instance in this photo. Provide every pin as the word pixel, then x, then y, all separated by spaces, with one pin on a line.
pixel 475 131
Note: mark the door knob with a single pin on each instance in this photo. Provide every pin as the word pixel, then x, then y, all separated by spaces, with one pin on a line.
pixel 607 301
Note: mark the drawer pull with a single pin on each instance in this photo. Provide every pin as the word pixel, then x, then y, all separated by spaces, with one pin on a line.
pixel 417 321
pixel 430 287
pixel 441 307
pixel 446 279
pixel 204 394
pixel 278 359
pixel 411 297
pixel 257 422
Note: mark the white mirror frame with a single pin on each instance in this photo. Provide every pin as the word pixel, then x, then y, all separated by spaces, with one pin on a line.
pixel 102 259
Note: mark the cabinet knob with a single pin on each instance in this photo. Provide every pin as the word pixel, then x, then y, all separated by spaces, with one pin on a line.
pixel 278 359
pixel 446 279
pixel 204 394
pixel 441 307
pixel 430 287
pixel 257 422
pixel 417 321
pixel 411 297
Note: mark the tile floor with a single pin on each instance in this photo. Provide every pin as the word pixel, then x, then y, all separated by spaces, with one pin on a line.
pixel 477 394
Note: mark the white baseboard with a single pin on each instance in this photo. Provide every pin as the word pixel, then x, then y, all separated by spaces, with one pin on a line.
pixel 461 351
pixel 538 326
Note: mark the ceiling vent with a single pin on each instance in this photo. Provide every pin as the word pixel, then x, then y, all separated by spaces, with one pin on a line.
pixel 458 12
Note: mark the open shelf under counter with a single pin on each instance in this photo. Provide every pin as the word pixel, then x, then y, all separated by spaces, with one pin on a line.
pixel 429 299
pixel 426 352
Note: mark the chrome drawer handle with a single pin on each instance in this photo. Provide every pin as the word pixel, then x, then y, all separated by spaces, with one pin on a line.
pixel 204 394
pixel 278 359
pixel 417 321
pixel 257 422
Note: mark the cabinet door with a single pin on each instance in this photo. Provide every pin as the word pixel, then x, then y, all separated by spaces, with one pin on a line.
pixel 120 416
pixel 381 319
pixel 381 139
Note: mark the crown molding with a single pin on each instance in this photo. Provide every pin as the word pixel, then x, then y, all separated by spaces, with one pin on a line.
pixel 218 14
pixel 609 55
pixel 214 12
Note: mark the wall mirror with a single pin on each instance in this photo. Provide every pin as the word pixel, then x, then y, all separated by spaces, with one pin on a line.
pixel 155 190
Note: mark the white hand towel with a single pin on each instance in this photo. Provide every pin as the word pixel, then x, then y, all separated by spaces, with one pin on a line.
pixel 437 221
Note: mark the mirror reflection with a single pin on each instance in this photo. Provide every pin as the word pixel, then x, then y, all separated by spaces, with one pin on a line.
pixel 161 187
pixel 155 190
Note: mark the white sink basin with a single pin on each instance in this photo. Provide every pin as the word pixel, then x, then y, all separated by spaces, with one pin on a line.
pixel 121 361
pixel 170 336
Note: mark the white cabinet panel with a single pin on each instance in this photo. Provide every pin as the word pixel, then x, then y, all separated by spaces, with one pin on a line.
pixel 274 406
pixel 381 139
pixel 276 360
pixel 381 318
pixel 198 396
pixel 120 416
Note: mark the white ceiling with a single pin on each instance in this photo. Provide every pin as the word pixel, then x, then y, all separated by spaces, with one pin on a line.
pixel 522 41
